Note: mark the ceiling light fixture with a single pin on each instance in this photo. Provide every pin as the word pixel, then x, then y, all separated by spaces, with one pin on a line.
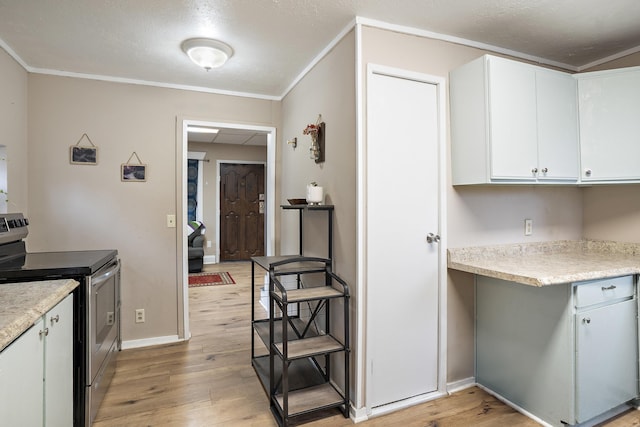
pixel 207 53
pixel 198 129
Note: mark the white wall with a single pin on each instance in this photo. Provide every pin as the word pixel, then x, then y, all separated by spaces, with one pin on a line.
pixel 87 207
pixel 13 130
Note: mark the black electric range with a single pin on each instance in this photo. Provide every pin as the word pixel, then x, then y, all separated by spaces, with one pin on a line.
pixel 94 362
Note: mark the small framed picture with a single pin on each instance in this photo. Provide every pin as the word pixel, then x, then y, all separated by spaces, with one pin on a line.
pixel 133 173
pixel 83 155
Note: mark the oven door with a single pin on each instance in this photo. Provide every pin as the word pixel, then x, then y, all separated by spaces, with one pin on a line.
pixel 102 316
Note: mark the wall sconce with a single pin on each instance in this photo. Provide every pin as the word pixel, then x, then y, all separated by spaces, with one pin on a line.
pixel 316 131
pixel 293 142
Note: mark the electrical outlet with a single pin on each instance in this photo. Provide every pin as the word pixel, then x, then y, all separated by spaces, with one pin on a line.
pixel 110 318
pixel 140 315
pixel 528 227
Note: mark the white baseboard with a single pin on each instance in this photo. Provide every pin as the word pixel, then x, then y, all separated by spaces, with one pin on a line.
pixel 406 403
pixel 148 342
pixel 459 385
pixel 209 259
pixel 359 415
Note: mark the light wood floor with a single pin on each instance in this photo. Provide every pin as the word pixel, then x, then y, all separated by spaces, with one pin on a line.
pixel 209 380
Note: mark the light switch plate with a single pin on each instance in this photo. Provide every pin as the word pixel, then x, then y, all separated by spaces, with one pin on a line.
pixel 171 221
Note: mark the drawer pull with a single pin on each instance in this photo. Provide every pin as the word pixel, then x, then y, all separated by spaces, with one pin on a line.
pixel 586 320
pixel 610 288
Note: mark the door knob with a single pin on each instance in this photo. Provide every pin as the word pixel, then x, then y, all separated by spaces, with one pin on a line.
pixel 433 238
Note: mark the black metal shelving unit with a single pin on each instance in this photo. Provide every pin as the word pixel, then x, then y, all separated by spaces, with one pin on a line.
pixel 298 338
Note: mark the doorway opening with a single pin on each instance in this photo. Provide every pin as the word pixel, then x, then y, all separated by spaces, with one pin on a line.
pixel 182 148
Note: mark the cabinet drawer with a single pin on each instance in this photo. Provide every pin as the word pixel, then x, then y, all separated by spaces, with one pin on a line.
pixel 602 291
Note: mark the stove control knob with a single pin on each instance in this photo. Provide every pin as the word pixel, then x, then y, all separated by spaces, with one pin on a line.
pixel 25 221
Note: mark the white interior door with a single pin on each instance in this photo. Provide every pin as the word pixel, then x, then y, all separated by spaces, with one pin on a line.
pixel 403 273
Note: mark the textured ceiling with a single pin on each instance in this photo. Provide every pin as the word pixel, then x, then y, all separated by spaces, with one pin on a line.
pixel 274 40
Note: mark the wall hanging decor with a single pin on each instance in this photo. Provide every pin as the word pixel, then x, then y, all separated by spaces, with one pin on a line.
pixel 84 154
pixel 133 172
pixel 316 132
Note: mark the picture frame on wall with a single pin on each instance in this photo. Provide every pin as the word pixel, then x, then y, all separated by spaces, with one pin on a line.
pixel 83 154
pixel 133 173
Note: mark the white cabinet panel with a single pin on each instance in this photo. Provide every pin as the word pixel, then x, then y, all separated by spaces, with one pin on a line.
pixel 609 124
pixel 512 119
pixel 21 373
pixel 58 363
pixel 606 358
pixel 557 114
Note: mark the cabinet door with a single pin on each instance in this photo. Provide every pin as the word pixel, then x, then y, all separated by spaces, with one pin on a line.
pixel 609 125
pixel 557 112
pixel 21 370
pixel 58 364
pixel 512 120
pixel 606 358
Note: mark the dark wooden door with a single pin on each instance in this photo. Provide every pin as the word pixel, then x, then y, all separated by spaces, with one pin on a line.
pixel 241 211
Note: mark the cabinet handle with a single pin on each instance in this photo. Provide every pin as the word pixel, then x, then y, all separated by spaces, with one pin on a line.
pixel 45 332
pixel 586 320
pixel 55 319
pixel 545 170
pixel 587 172
pixel 534 170
pixel 609 288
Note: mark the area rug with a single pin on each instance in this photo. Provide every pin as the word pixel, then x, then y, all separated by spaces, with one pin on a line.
pixel 210 279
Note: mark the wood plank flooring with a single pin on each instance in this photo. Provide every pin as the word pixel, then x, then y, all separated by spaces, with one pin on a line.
pixel 209 380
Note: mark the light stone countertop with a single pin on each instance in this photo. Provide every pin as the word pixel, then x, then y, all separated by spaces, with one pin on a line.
pixel 22 304
pixel 548 263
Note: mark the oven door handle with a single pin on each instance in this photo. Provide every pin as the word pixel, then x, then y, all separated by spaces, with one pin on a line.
pixel 104 276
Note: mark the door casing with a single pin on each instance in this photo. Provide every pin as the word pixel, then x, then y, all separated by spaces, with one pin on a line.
pixel 182 270
pixel 440 162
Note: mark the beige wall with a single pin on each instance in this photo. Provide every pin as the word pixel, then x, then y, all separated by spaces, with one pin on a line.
pixel 13 130
pixel 329 89
pixel 476 215
pixel 87 207
pixel 215 152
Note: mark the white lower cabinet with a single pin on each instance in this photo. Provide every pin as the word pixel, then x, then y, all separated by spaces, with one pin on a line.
pixel 566 354
pixel 36 372
pixel 606 354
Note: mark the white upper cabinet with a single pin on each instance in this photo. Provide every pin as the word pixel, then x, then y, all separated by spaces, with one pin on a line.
pixel 610 125
pixel 557 112
pixel 513 123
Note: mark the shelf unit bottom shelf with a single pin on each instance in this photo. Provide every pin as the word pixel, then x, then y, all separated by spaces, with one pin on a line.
pixel 312 399
pixel 302 373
